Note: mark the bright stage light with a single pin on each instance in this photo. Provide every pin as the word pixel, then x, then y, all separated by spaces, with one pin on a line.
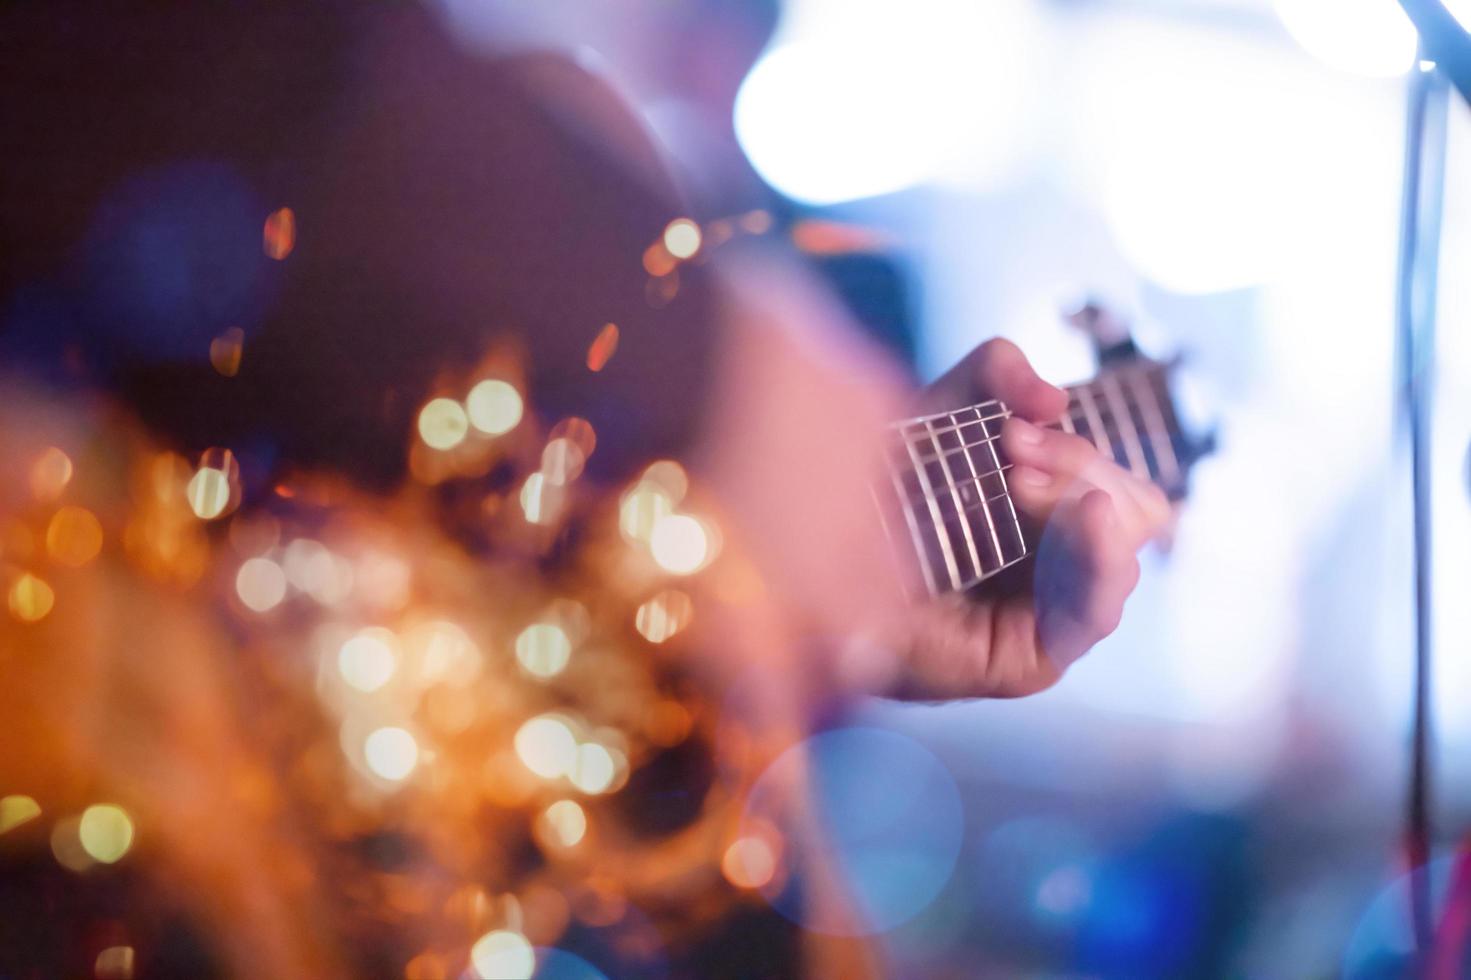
pixel 1365 37
pixel 860 98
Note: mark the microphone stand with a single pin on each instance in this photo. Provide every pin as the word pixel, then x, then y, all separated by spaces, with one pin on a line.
pixel 1418 261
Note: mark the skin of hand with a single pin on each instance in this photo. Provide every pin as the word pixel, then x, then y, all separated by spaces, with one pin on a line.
pixel 1095 518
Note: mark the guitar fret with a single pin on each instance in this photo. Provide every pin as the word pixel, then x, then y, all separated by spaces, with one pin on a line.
pixel 903 499
pixel 1124 424
pixel 1096 431
pixel 1155 427
pixel 1015 527
pixel 956 499
pixel 985 502
pixel 942 534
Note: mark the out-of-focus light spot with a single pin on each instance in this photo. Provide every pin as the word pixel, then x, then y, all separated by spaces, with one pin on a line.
pixel 212 490
pixel 1065 892
pixel 670 477
pixel 31 598
pixel 443 651
pixel 563 823
pixel 428 965
pixel 311 567
pixel 209 493
pixel 657 260
pixel 66 845
pixel 664 615
pixel 660 291
pixel 682 238
pixel 503 955
pixel 106 832
pixel 279 237
pixel 260 584
pixel 494 406
pixel 578 431
pixel 1426 65
pixel 382 580
pixel 226 350
pixel 641 509
pixel 894 841
pixel 594 770
pixel 756 222
pixel 534 502
pixel 680 544
pixel 114 963
pixel 748 863
pixel 562 461
pixel 543 649
pixel 74 536
pixel 367 661
pixel 1365 37
pixel 16 810
pixel 668 723
pixel 547 746
pixel 50 474
pixel 601 350
pixel 391 753
pixel 442 424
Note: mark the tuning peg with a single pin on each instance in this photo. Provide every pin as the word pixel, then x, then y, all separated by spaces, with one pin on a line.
pixel 1108 331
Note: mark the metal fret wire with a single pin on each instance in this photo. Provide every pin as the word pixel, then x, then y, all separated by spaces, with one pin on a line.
pixel 970 541
pixel 941 534
pixel 1115 401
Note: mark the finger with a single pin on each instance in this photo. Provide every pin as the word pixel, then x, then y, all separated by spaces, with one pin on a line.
pixel 1003 372
pixel 1085 570
pixel 998 369
pixel 1046 465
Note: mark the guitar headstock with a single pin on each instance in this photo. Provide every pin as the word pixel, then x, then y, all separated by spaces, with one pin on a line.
pixel 1141 424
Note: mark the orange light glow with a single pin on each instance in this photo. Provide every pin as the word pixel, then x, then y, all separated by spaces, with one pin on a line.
pixel 225 351
pixel 748 863
pixel 74 536
pixel 279 238
pixel 50 474
pixel 602 348
pixel 31 598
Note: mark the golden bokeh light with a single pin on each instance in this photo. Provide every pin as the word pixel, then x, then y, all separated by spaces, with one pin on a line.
pixel 749 862
pixel 114 963
pixel 594 770
pixel 601 350
pixel 563 824
pixel 664 615
pixel 546 746
pixel 443 424
pixel 367 660
pixel 311 567
pixel 680 544
pixel 562 461
pixel 503 955
pixel 209 493
pixel 578 431
pixel 640 509
pixel 657 260
pixel 391 753
pixel 30 598
pixel 442 652
pixel 279 237
pixel 16 810
pixel 74 536
pixel 670 477
pixel 682 238
pixel 260 584
pixel 494 406
pixel 106 832
pixel 50 474
pixel 534 499
pixel 543 649
pixel 226 350
pixel 66 845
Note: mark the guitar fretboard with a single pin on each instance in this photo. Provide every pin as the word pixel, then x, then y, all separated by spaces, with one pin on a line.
pixel 948 476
